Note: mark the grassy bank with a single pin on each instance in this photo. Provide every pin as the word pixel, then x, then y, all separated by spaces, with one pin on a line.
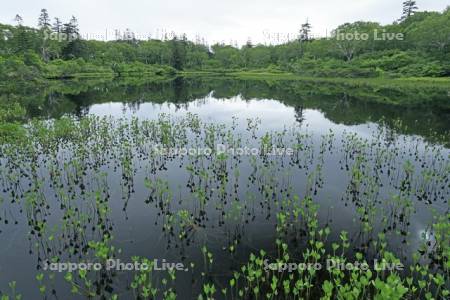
pixel 266 75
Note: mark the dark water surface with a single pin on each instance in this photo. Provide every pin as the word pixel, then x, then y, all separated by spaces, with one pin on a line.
pixel 336 127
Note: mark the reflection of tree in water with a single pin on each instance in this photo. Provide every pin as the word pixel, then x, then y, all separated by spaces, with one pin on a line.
pixel 179 89
pixel 341 104
pixel 344 100
pixel 132 106
pixel 299 114
pixel 82 111
pixel 51 99
pixel 390 136
pixel 86 203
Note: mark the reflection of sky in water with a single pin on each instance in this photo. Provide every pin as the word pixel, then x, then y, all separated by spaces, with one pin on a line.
pixel 137 235
pixel 273 114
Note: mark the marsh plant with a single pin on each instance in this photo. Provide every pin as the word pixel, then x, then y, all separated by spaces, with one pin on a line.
pixel 75 184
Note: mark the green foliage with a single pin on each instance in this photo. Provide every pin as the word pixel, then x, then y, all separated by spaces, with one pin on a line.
pixel 66 69
pixel 76 49
pixel 28 53
pixel 349 41
pixel 11 112
pixel 432 35
pixel 15 68
pixel 389 60
pixel 402 63
pixel 11 132
pixel 227 56
pixel 138 68
pixel 10 116
pixel 331 68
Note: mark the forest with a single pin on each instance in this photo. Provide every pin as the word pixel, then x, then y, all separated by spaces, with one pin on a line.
pixel 55 49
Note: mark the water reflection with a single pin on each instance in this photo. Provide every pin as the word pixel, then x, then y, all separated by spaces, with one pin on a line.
pixel 367 173
pixel 338 103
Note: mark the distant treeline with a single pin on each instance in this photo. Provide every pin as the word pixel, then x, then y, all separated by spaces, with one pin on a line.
pixel 417 45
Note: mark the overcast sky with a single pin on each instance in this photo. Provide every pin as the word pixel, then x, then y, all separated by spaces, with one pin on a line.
pixel 229 20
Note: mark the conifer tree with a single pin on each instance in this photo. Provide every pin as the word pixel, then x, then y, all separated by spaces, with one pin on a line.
pixel 57 25
pixel 22 39
pixel 44 26
pixel 305 32
pixel 409 8
pixel 18 19
pixel 44 20
pixel 71 28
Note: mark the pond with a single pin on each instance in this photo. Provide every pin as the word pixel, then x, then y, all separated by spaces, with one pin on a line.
pixel 206 172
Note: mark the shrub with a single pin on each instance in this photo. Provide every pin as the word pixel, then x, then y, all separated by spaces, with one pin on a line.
pixel 14 68
pixel 424 69
pixel 331 68
pixel 71 68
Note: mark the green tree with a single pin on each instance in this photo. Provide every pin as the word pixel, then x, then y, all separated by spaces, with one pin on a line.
pixel 178 50
pixel 22 39
pixel 76 48
pixel 352 39
pixel 409 8
pixel 57 26
pixel 246 53
pixel 432 35
pixel 44 20
pixel 228 56
pixel 71 28
pixel 18 19
pixel 305 32
pixel 44 26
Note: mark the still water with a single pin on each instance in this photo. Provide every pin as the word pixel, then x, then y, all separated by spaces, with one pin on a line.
pixel 335 129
